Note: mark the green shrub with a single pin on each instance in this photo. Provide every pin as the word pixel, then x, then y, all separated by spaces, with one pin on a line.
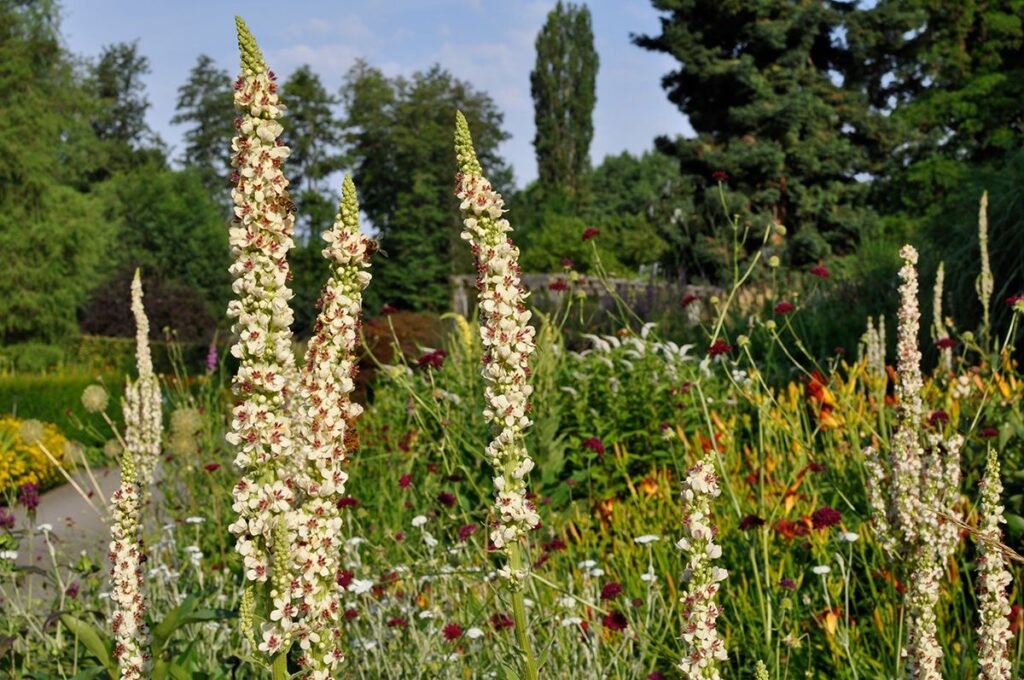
pixel 32 357
pixel 57 398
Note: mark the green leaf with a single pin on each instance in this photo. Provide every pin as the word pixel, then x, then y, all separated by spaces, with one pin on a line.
pixel 182 615
pixel 90 636
pixel 1015 523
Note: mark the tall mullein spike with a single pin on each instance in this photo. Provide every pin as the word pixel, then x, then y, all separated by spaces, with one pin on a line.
pixel 252 58
pixel 349 203
pixel 465 154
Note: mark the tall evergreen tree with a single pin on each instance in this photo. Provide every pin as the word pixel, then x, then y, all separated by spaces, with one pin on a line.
pixel 204 104
pixel 398 135
pixel 951 74
pixel 563 85
pixel 121 103
pixel 762 84
pixel 313 134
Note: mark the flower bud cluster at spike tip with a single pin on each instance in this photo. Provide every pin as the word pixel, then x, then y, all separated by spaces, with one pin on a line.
pixel 325 416
pixel 252 58
pixel 703 648
pixel 144 440
pixel 260 238
pixel 508 342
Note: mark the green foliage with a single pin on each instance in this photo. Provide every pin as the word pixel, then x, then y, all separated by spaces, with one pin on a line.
pixel 398 137
pixel 313 134
pixel 31 357
pixel 170 226
pixel 951 235
pixel 57 398
pixel 53 236
pixel 204 103
pixel 756 81
pixel 119 105
pixel 563 84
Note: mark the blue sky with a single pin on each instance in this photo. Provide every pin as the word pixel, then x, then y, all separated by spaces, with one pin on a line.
pixel 487 42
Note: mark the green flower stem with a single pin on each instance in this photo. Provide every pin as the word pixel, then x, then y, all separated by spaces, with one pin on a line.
pixel 279 671
pixel 519 616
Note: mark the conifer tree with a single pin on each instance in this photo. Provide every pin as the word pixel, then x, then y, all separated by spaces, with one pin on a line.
pixel 762 83
pixel 204 103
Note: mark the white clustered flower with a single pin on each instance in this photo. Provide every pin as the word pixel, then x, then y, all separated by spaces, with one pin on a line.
pixel 994 634
pixel 324 419
pixel 142 432
pixel 912 490
pixel 508 342
pixel 985 283
pixel 131 635
pixel 145 440
pixel 261 428
pixel 939 329
pixel 703 648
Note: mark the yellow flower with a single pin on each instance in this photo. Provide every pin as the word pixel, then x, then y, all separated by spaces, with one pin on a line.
pixel 22 460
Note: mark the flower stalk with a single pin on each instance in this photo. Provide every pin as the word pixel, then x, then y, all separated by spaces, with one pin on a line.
pixel 132 640
pixel 261 426
pixel 994 635
pixel 508 342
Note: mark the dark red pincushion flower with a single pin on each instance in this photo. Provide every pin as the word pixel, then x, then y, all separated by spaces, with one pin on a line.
pixel 558 285
pixel 211 467
pixel 590 232
pixel 595 445
pixel 688 300
pixel 938 417
pixel 404 481
pixel 989 432
pixel 784 307
pixel 554 545
pixel 820 270
pixel 611 590
pixel 945 343
pixel 348 502
pixel 388 309
pixel 344 578
pixel 656 676
pixel 1015 300
pixel 433 359
pixel 6 519
pixel 751 522
pixel 615 620
pixel 719 347
pixel 788 584
pixel 825 517
pixel 502 621
pixel 446 498
pixel 351 614
pixel 720 176
pixel 567 263
pixel 466 530
pixel 452 632
pixel 398 622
